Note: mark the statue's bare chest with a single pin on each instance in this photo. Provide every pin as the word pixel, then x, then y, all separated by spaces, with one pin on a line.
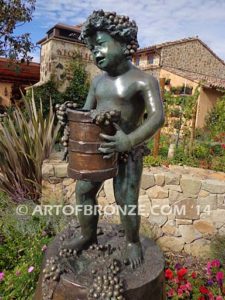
pixel 116 90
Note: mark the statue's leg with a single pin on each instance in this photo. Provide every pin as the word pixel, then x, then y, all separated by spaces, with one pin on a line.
pixel 126 189
pixel 85 197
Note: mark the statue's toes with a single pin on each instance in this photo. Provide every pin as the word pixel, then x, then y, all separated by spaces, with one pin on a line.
pixel 139 261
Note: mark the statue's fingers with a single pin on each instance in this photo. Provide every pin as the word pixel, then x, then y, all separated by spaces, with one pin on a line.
pixel 117 127
pixel 108 156
pixel 108 145
pixel 105 150
pixel 107 137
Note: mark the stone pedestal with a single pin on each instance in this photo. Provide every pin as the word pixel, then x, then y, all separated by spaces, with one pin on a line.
pixel 101 272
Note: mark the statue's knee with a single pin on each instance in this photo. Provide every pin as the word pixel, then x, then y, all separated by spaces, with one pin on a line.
pixel 84 188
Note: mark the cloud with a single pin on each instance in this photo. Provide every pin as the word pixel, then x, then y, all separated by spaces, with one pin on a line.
pixel 158 20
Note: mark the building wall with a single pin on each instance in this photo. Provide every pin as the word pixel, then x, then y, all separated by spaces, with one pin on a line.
pixel 192 56
pixel 142 60
pixel 207 99
pixel 56 55
pixel 5 93
pixel 176 80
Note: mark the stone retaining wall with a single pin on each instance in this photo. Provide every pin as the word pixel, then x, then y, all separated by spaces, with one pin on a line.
pixel 185 207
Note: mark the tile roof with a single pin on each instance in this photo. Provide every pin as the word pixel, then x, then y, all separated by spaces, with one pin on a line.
pixel 22 72
pixel 185 40
pixel 207 81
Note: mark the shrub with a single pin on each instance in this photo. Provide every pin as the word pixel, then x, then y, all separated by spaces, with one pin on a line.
pixel 24 240
pixel 79 84
pixel 152 161
pixel 217 247
pixel 216 118
pixel 26 139
pixel 201 151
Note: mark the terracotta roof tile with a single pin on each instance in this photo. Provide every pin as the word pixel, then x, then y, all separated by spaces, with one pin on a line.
pixel 208 81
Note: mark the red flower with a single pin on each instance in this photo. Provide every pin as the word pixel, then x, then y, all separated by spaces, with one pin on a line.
pixel 181 273
pixel 194 275
pixel 169 274
pixel 223 146
pixel 203 290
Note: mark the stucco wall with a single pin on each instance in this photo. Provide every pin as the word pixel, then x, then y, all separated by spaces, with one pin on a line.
pixel 176 80
pixel 207 100
pixel 192 56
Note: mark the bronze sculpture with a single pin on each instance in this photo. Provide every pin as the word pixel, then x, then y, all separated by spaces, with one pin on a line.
pixel 112 40
pixel 118 98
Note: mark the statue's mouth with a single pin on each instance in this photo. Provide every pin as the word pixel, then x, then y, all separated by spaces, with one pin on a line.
pixel 100 59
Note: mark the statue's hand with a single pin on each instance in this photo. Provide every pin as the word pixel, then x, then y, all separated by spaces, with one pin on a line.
pixel 119 142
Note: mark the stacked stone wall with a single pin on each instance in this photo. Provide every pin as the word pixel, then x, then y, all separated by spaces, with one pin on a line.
pixel 194 57
pixel 184 207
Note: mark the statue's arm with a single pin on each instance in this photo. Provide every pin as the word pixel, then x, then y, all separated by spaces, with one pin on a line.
pixel 91 99
pixel 151 94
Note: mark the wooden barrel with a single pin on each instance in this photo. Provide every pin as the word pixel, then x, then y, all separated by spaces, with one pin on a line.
pixel 86 162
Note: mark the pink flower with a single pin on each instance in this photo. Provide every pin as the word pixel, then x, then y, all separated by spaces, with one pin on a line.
pixel 180 292
pixel 219 298
pixel 215 263
pixel 2 274
pixel 188 286
pixel 219 278
pixel 170 293
pixel 30 269
pixel 44 248
pixel 18 272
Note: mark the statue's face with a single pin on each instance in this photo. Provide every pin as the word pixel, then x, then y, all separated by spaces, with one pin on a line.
pixel 107 52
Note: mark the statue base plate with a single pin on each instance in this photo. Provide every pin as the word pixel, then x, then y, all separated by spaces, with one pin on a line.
pixel 100 272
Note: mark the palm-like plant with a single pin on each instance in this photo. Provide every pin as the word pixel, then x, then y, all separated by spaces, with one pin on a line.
pixel 26 139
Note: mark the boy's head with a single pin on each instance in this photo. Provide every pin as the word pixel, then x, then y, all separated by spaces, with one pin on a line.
pixel 110 36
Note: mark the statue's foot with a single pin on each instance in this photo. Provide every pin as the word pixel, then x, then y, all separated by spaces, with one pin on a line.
pixel 79 244
pixel 134 254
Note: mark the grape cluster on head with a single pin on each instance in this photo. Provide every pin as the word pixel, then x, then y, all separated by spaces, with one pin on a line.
pixel 118 26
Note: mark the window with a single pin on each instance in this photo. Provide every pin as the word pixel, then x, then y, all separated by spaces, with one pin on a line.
pixel 151 58
pixel 137 60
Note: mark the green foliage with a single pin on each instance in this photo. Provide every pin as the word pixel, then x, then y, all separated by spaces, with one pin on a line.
pixel 26 139
pixel 79 85
pixel 181 158
pixel 44 93
pixel 23 239
pixel 218 163
pixel 12 14
pixel 217 248
pixel 216 119
pixel 152 161
pixel 201 151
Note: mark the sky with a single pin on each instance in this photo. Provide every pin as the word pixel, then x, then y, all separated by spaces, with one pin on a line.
pixel 158 20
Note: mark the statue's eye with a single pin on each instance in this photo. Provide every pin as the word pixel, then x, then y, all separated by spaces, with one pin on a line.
pixel 101 43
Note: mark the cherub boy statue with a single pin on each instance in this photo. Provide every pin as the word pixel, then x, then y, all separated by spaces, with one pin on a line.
pixel 112 40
